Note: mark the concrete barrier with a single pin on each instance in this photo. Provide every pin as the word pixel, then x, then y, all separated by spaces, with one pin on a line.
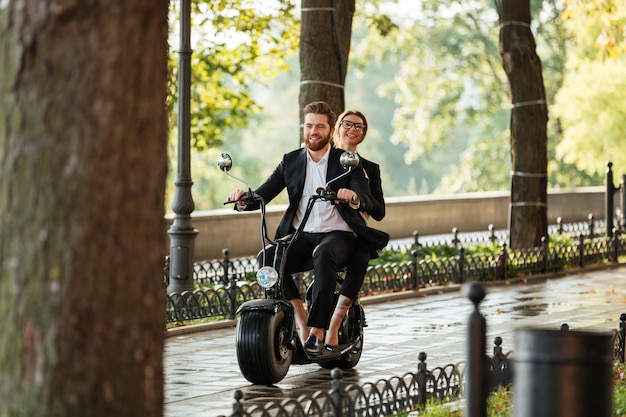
pixel 431 214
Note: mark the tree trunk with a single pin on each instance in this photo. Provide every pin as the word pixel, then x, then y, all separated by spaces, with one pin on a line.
pixel 83 131
pixel 325 36
pixel 529 118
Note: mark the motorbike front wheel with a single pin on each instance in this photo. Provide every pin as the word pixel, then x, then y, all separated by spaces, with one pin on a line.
pixel 263 351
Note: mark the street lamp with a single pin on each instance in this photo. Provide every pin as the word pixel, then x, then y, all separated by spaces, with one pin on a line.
pixel 182 233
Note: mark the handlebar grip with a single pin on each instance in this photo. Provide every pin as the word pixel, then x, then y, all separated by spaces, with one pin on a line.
pixel 246 197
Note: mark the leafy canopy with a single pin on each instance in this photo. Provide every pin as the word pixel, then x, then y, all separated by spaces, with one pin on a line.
pixel 236 44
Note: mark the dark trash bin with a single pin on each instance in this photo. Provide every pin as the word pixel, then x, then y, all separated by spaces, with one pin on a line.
pixel 563 374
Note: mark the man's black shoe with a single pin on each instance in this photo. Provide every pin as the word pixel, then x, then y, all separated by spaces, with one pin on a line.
pixel 313 346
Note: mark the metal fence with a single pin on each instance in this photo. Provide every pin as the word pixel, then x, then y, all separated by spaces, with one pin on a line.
pixel 223 285
pixel 409 392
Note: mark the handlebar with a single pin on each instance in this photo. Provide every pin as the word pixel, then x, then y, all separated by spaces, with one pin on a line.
pixel 348 160
pixel 247 197
pixel 328 195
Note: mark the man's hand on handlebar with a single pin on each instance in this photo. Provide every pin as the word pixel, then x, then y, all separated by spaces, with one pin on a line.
pixel 348 196
pixel 236 196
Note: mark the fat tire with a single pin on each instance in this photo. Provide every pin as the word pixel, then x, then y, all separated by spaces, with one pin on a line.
pixel 263 351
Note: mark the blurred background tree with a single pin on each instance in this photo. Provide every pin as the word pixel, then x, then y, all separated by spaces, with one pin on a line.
pixel 429 78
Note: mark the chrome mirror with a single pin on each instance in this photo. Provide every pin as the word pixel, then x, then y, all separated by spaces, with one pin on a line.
pixel 225 162
pixel 349 159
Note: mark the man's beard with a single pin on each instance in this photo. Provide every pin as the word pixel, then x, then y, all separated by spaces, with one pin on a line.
pixel 317 145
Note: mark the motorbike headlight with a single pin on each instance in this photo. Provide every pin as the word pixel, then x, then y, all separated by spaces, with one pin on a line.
pixel 267 277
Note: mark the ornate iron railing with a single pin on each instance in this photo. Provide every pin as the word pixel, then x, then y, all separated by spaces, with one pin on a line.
pixel 399 394
pixel 225 284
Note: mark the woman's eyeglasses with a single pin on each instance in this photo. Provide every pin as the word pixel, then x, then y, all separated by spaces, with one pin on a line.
pixel 347 124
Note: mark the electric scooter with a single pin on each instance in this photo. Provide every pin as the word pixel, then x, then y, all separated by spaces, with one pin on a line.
pixel 267 341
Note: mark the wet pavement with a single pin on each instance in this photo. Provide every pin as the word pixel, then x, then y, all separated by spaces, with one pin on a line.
pixel 201 371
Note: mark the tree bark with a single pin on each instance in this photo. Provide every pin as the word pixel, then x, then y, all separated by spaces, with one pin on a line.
pixel 325 36
pixel 83 131
pixel 529 118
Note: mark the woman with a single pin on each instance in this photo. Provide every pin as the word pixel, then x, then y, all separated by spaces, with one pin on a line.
pixel 349 133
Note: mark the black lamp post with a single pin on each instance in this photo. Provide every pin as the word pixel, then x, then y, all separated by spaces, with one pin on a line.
pixel 182 233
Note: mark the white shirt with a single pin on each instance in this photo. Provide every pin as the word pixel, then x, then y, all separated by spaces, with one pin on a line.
pixel 324 217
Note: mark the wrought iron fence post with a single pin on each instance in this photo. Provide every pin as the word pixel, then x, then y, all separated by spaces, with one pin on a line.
pixel 336 392
pixel 581 250
pixel 166 271
pixel 622 337
pixel 502 263
pixel 559 223
pixel 461 265
pixel 545 254
pixel 416 239
pixel 501 372
pixel 414 268
pixel 422 373
pixel 615 246
pixel 590 221
pixel 237 406
pixel 455 236
pixel 610 191
pixel 492 233
pixel 476 391
pixel 232 283
pixel 233 296
pixel 225 265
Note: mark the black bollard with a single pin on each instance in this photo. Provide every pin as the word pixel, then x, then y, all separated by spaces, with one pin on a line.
pixel 563 373
pixel 476 388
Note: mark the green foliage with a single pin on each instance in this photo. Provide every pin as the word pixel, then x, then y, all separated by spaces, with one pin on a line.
pixel 451 94
pixel 499 403
pixel 236 44
pixel 383 24
pixel 559 241
pixel 598 27
pixel 588 108
pixel 447 63
pixel 427 74
pixel 434 252
pixel 473 173
pixel 619 393
pixel 593 119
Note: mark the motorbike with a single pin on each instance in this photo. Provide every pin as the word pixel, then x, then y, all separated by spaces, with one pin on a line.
pixel 267 341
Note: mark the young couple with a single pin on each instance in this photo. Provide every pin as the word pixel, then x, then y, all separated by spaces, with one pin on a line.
pixel 335 236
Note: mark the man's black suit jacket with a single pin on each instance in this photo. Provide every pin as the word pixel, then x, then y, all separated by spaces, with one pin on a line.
pixel 290 174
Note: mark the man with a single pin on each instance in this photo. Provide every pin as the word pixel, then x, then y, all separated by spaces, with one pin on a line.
pixel 329 234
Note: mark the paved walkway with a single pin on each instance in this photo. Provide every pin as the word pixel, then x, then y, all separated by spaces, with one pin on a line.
pixel 201 371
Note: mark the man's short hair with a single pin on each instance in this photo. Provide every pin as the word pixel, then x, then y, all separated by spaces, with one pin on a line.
pixel 321 107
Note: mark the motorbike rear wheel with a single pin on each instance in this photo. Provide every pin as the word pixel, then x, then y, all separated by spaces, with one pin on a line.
pixel 263 351
pixel 351 329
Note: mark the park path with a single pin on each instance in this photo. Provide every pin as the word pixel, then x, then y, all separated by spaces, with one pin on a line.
pixel 201 371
